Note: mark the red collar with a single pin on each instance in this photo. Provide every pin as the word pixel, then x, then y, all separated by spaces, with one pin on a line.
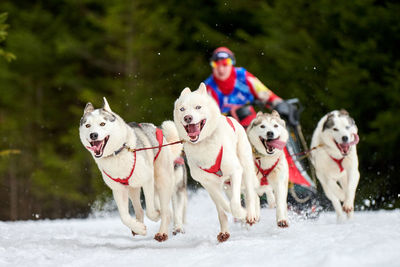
pixel 226 86
pixel 124 181
pixel 338 162
pixel 265 172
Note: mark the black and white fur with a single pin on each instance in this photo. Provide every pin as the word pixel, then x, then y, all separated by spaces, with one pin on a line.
pixel 335 137
pixel 106 135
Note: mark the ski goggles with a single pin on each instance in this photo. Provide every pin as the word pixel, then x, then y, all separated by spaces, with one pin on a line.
pixel 223 62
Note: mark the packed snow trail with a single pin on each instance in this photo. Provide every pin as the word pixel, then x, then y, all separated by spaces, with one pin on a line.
pixel 370 239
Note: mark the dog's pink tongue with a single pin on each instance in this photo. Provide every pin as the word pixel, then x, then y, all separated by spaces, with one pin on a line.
pixel 278 144
pixel 345 147
pixel 193 130
pixel 96 147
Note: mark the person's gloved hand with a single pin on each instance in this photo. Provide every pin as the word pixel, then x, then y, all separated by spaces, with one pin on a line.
pixel 283 108
pixel 289 112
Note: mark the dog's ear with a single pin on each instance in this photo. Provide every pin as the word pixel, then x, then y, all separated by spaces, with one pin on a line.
pixel 88 108
pixel 106 107
pixel 343 112
pixel 275 114
pixel 257 120
pixel 281 122
pixel 329 122
pixel 185 91
pixel 202 89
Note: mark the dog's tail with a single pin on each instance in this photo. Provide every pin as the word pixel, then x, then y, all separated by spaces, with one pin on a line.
pixel 171 134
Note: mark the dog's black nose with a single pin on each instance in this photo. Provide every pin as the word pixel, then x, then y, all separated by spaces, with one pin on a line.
pixel 270 135
pixel 188 118
pixel 94 136
pixel 345 139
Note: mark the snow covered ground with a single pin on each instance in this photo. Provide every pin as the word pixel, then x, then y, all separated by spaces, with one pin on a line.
pixel 370 239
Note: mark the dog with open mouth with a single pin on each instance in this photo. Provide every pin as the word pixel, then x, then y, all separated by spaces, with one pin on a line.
pixel 268 136
pixel 335 160
pixel 217 150
pixel 113 144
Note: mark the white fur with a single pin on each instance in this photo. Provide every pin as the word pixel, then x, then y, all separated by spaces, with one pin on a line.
pixel 338 186
pixel 155 177
pixel 237 163
pixel 278 179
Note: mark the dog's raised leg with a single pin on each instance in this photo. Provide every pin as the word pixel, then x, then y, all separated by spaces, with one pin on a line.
pixel 122 200
pixel 148 191
pixel 350 191
pixel 134 195
pixel 236 207
pixel 326 185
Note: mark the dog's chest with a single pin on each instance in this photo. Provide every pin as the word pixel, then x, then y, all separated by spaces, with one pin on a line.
pixel 127 168
pixel 202 156
pixel 270 169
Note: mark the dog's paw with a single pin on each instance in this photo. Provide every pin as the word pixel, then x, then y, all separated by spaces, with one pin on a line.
pixel 252 217
pixel 347 208
pixel 153 215
pixel 238 212
pixel 139 229
pixel 222 237
pixel 250 220
pixel 283 224
pixel 161 237
pixel 178 230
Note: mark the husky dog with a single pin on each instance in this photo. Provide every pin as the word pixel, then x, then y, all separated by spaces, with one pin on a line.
pixel 335 160
pixel 112 143
pixel 268 136
pixel 217 150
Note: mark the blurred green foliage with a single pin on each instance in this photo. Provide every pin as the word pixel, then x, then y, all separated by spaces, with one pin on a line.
pixel 141 54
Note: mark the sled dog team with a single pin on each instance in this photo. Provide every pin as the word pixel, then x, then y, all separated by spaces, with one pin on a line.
pixel 223 157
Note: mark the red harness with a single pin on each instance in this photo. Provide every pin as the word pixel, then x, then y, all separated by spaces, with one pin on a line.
pixel 216 168
pixel 160 138
pixel 125 181
pixel 338 162
pixel 265 172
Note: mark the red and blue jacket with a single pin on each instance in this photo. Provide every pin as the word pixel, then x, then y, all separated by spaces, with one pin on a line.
pixel 239 89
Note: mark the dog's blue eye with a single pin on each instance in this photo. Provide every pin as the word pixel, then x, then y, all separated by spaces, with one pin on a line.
pixel 87 125
pixel 102 124
pixel 198 107
pixel 182 109
pixel 347 127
